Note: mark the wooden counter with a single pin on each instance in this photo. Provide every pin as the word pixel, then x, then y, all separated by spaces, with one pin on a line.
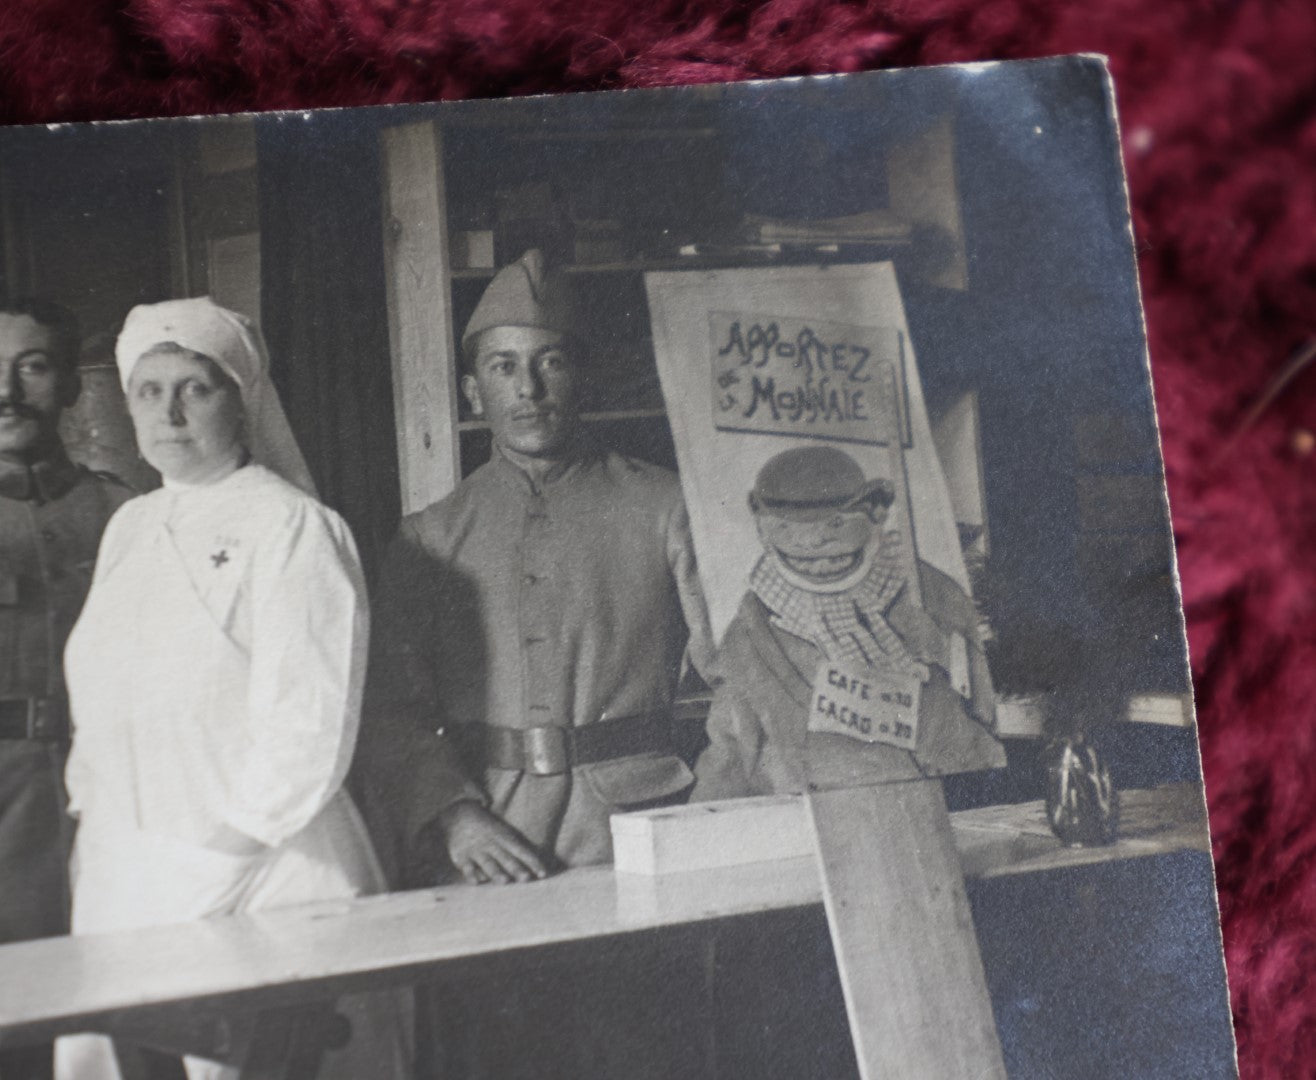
pixel 315 952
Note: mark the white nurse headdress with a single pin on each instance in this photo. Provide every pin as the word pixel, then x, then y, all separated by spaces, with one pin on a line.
pixel 234 343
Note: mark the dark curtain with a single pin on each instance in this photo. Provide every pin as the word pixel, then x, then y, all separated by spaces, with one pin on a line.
pixel 324 311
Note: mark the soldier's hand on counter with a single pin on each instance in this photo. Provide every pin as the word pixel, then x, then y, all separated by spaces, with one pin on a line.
pixel 485 849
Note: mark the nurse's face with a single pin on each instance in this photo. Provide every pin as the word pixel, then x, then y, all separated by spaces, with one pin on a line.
pixel 188 415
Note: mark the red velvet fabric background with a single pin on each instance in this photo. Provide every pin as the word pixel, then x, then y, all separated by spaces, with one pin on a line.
pixel 1218 103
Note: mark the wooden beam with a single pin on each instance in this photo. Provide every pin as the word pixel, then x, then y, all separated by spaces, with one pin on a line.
pixel 903 933
pixel 921 182
pixel 957 433
pixel 420 312
pixel 15 230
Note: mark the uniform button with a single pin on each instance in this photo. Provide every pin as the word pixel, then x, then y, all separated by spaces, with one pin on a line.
pixel 48 535
pixel 530 579
pixel 534 641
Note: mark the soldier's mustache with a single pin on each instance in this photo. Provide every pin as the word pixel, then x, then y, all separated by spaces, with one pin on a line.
pixel 18 408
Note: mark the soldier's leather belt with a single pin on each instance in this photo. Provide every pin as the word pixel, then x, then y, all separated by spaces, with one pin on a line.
pixel 33 718
pixel 553 750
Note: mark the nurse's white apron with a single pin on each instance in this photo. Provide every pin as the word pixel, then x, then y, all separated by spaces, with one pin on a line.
pixel 157 690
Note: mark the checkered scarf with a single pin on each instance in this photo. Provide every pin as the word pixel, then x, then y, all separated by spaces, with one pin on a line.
pixel 848 626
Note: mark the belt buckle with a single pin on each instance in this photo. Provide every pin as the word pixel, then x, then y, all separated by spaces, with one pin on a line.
pixel 547 750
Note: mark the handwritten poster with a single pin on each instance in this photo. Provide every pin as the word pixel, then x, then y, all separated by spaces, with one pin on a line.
pixel 757 361
pixel 777 375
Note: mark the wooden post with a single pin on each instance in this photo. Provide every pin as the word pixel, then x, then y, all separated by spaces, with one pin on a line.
pixel 921 181
pixel 420 312
pixel 903 934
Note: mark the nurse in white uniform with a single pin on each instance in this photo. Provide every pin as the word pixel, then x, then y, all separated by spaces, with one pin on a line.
pixel 215 674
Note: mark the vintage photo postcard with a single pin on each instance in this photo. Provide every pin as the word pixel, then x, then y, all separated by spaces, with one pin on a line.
pixel 669 583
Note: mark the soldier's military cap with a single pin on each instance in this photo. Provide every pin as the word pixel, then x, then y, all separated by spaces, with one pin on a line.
pixel 524 293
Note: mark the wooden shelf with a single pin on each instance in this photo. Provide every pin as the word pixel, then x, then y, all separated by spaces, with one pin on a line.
pixel 694 262
pixel 628 266
pixel 1023 716
pixel 605 416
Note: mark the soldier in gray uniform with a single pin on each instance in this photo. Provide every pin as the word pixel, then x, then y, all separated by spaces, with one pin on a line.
pixel 52 513
pixel 528 636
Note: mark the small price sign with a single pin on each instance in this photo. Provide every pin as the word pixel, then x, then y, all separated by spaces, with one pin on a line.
pixel 865 704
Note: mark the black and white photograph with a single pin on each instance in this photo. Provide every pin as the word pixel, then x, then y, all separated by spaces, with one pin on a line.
pixel 645 584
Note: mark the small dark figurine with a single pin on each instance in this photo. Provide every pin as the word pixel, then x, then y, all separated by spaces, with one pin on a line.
pixel 1082 805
